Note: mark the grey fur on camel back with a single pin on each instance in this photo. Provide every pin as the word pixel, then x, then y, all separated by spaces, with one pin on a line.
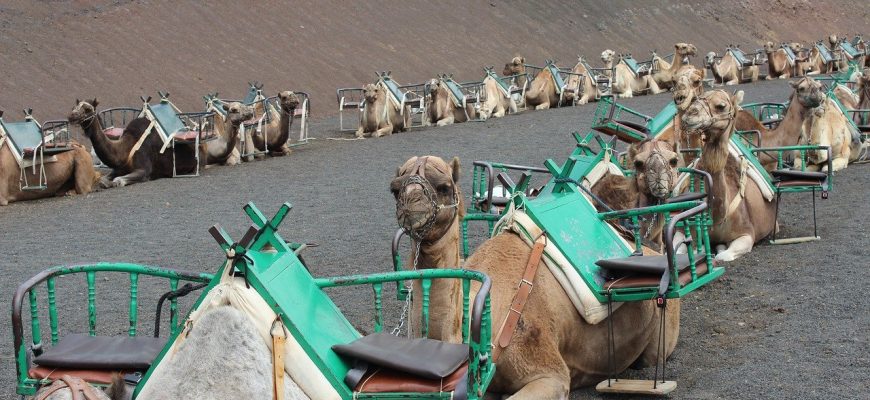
pixel 223 358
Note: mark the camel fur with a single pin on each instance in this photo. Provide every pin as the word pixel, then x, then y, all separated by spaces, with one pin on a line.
pixel 741 215
pixel 655 164
pixel 495 103
pixel 664 74
pixel 778 65
pixel 378 116
pixel 517 66
pixel 276 133
pixel 553 349
pixel 128 166
pixel 728 71
pixel 440 107
pixel 589 90
pixel 224 149
pixel 72 172
pixel 625 83
pixel 542 92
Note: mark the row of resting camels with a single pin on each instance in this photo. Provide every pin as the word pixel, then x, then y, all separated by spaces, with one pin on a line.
pixel 554 350
pixel 133 158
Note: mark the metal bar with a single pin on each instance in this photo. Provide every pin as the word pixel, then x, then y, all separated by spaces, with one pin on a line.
pixel 52 309
pixel 90 276
pixel 134 305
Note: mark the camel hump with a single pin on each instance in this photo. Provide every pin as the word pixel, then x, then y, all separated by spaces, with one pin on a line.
pixel 137 127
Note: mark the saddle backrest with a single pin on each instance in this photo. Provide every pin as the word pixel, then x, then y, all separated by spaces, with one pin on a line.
pixel 849 49
pixel 824 52
pixel 166 118
pixel 557 76
pixel 251 97
pixel 455 90
pixel 631 63
pixel 739 56
pixel 392 87
pixel 789 53
pixel 22 135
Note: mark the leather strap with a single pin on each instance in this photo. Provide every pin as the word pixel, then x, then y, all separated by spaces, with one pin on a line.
pixel 279 337
pixel 77 388
pixel 506 332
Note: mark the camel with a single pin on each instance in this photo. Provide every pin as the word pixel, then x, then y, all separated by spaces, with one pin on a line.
pixel 664 73
pixel 687 85
pixel 863 89
pixel 543 93
pixel 277 131
pixel 625 83
pixel 63 389
pixel 225 148
pixel 442 108
pixel 378 116
pixel 826 125
pixel 655 163
pixel 778 64
pixel 132 157
pixel 71 172
pixel 555 349
pixel 496 101
pixel 517 66
pixel 728 70
pixel 741 215
pixel 589 90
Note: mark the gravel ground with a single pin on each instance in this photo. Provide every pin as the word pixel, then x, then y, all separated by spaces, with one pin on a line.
pixel 784 321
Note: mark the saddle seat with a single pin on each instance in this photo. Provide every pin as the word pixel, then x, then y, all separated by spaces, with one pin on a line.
pixel 96 358
pixel 646 271
pixel 48 149
pixel 387 363
pixel 791 178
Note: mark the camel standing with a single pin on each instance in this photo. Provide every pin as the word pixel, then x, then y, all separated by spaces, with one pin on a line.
pixel 378 116
pixel 664 74
pixel 70 171
pixel 132 157
pixel 741 215
pixel 276 133
pixel 225 148
pixel 625 83
pixel 728 70
pixel 442 108
pixel 555 349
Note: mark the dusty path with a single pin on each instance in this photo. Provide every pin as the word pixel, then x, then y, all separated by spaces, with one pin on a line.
pixel 784 322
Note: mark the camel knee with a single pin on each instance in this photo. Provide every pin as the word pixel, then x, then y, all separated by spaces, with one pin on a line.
pixel 544 388
pixel 360 133
pixel 838 164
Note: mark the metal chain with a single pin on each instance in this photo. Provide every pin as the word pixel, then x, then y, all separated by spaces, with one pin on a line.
pixel 406 315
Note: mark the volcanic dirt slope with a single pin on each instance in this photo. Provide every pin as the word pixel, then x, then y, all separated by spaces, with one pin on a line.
pixel 118 50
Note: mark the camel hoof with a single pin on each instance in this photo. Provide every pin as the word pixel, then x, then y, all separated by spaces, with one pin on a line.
pixel 118 182
pixel 105 183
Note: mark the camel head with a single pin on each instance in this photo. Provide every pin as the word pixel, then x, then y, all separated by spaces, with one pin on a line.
pixel 372 93
pixel 607 56
pixel 516 66
pixel 655 163
pixel 833 40
pixel 863 82
pixel 289 101
pixel 684 50
pixel 710 58
pixel 687 85
pixel 711 113
pixel 432 86
pixel 238 112
pixel 809 92
pixel 428 199
pixel 84 111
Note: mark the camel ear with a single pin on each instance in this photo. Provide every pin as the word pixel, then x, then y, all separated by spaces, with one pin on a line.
pixel 78 101
pixel 456 167
pixel 523 60
pixel 94 102
pixel 737 98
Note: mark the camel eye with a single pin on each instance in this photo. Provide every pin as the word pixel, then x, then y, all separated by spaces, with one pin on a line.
pixel 674 162
pixel 638 165
pixel 720 107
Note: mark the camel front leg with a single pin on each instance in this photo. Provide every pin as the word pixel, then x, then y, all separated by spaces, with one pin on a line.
pixel 736 248
pixel 446 120
pixel 387 129
pixel 543 106
pixel 837 164
pixel 548 387
pixel 139 175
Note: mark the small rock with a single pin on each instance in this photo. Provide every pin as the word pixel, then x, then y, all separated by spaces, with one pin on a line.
pixel 741 324
pixel 779 310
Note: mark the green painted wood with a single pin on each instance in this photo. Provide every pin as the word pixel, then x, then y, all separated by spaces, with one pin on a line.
pixel 379 308
pixel 134 302
pixel 52 309
pixel 90 276
pixel 173 307
pixel 35 330
pixel 426 285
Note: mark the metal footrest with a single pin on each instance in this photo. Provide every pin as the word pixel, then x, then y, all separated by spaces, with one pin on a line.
pixel 796 240
pixel 636 386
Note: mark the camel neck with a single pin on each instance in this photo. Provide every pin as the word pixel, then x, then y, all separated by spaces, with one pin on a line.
pixel 231 135
pixel 441 253
pixel 105 148
pixel 788 131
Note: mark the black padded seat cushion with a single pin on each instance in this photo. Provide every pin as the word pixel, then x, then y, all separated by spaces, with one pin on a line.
pixel 689 196
pixel 102 352
pixel 634 125
pixel 427 358
pixel 645 264
pixel 789 175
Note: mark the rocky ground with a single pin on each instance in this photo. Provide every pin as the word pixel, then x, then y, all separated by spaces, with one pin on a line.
pixel 783 322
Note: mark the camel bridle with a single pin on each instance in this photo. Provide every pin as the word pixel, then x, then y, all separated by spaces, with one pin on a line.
pixel 432 206
pixel 810 99
pixel 732 114
pixel 89 118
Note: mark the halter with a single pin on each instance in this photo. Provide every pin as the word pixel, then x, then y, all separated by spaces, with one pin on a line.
pixel 806 98
pixel 418 177
pixel 89 118
pixel 713 117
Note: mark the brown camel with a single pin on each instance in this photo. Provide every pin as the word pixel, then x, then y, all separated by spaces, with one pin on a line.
pixel 542 93
pixel 741 215
pixel 277 131
pixel 728 70
pixel 70 171
pixel 225 148
pixel 517 66
pixel 688 84
pixel 655 164
pixel 555 349
pixel 664 74
pixel 379 117
pixel 131 157
pixel 442 108
pixel 589 88
pixel 495 101
pixel 863 89
pixel 625 82
pixel 778 63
